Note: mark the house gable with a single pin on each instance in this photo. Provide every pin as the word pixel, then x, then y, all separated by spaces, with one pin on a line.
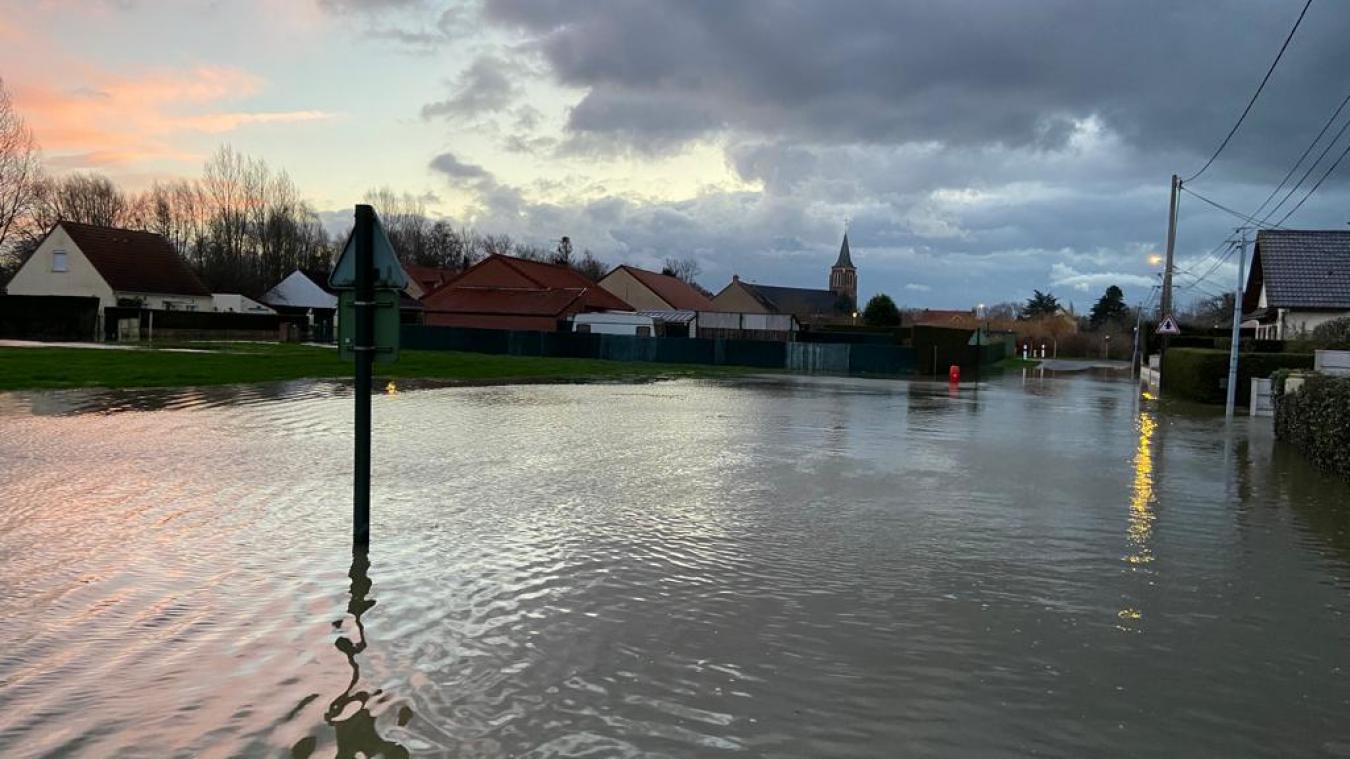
pixel 494 271
pixel 633 292
pixel 653 291
pixel 1300 269
pixel 81 278
pixel 299 290
pixel 737 298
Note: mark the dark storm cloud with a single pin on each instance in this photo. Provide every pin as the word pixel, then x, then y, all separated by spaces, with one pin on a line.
pixel 980 148
pixel 1163 74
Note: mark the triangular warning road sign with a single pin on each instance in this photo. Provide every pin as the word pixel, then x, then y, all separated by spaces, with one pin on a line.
pixel 389 273
pixel 1168 326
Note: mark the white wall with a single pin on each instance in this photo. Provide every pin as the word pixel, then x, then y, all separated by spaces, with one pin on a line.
pixel 238 304
pixel 749 321
pixel 169 301
pixel 609 323
pixel 36 277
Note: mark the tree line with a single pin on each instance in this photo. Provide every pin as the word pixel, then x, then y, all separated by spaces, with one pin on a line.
pixel 242 225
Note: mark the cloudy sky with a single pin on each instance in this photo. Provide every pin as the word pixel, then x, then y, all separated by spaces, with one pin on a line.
pixel 980 149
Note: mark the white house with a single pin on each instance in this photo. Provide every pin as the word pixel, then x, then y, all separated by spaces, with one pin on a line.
pixel 117 266
pixel 1298 280
pixel 301 291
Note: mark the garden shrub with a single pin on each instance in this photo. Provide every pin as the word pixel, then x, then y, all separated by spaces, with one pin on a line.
pixel 1316 420
pixel 1201 375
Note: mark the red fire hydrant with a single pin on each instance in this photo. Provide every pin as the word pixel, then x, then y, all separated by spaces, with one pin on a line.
pixel 954 374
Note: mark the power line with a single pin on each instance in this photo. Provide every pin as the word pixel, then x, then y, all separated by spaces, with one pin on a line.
pixel 1210 272
pixel 1208 257
pixel 1325 174
pixel 1226 209
pixel 1306 151
pixel 1255 95
pixel 1304 178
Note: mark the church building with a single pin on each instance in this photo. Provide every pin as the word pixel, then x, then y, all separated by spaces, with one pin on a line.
pixel 836 304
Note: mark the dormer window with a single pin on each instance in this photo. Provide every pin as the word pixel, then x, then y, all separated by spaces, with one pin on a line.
pixel 59 261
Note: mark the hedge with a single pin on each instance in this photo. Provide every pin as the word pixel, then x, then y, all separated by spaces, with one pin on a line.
pixel 1316 420
pixel 1202 375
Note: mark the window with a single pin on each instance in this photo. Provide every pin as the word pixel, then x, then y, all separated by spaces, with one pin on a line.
pixel 644 331
pixel 583 328
pixel 59 261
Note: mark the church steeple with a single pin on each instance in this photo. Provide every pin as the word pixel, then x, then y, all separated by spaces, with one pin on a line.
pixel 844 276
pixel 845 261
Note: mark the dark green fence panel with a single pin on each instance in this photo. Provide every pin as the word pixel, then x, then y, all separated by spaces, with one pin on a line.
pixel 525 343
pixel 760 353
pixel 683 350
pixel 818 358
pixel 821 357
pixel 881 359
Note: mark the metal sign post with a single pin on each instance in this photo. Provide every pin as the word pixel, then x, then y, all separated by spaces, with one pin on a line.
pixel 370 270
pixel 364 348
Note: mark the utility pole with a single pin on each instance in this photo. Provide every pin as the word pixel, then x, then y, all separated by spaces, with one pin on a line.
pixel 1165 302
pixel 1237 329
pixel 364 349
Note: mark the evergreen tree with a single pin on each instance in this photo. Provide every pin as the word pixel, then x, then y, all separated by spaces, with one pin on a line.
pixel 1110 309
pixel 1040 304
pixel 881 312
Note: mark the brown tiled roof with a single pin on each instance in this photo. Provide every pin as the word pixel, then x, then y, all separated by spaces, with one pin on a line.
pixel 672 290
pixel 136 262
pixel 429 277
pixel 551 277
pixel 514 301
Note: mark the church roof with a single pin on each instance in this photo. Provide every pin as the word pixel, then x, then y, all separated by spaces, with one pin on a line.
pixel 845 261
pixel 798 301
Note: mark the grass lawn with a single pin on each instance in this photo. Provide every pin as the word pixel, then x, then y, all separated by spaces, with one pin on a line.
pixel 49 368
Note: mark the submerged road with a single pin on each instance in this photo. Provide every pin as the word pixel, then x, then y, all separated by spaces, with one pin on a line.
pixel 1031 566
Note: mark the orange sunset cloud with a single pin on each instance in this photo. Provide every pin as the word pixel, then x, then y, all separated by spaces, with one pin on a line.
pixel 120 119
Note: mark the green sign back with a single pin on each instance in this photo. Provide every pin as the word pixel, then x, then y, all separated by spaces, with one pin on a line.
pixel 386 325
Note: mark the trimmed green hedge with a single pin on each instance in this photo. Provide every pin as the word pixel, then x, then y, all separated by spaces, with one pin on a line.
pixel 1316 420
pixel 1201 375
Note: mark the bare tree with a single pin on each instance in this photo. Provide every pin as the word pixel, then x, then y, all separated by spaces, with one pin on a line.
pixel 498 245
pixel 81 198
pixel 590 267
pixel 20 169
pixel 685 269
pixel 405 220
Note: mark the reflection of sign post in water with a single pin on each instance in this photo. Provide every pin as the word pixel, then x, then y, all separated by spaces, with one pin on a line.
pixel 370 278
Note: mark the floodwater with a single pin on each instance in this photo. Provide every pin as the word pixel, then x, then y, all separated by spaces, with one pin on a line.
pixel 759 567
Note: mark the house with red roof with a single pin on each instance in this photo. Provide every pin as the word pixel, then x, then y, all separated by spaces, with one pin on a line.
pixel 117 266
pixel 505 292
pixel 424 279
pixel 653 291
